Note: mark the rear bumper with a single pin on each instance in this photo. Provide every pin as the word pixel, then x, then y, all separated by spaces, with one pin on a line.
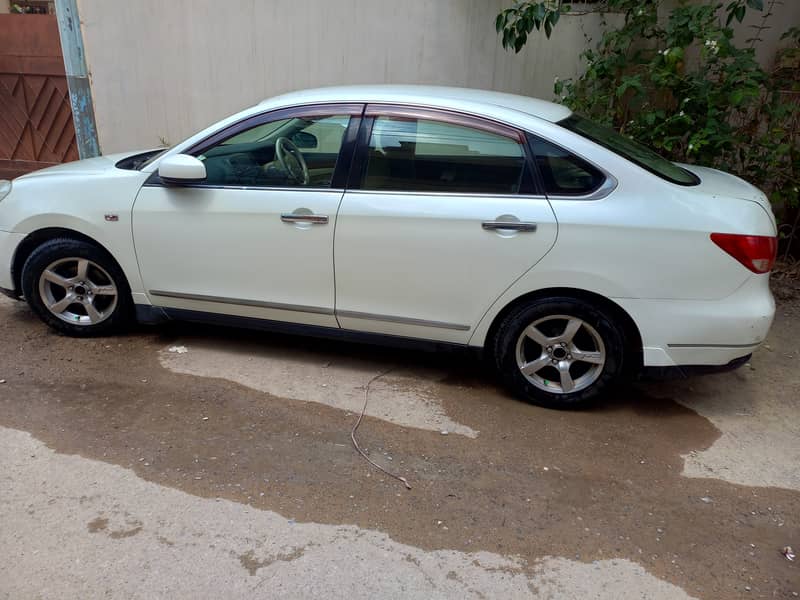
pixel 704 332
pixel 685 371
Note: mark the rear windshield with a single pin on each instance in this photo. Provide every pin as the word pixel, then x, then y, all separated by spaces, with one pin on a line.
pixel 627 148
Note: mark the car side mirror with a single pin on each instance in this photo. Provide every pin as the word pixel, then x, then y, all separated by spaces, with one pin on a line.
pixel 305 140
pixel 181 169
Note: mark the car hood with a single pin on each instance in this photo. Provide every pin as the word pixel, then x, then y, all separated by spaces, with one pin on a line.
pixel 81 168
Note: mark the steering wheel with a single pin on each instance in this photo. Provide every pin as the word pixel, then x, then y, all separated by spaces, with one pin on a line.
pixel 291 159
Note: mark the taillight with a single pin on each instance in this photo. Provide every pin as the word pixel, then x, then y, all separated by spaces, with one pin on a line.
pixel 756 252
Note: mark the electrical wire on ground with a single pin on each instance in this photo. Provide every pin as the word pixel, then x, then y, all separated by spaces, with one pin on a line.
pixel 358 422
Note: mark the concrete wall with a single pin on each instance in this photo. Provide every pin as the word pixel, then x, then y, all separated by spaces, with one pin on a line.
pixel 784 16
pixel 165 69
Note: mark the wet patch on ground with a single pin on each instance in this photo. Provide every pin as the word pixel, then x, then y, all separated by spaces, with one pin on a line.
pixel 223 549
pixel 757 409
pixel 400 396
pixel 599 485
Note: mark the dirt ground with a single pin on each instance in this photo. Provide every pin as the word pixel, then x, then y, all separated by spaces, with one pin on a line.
pixel 130 468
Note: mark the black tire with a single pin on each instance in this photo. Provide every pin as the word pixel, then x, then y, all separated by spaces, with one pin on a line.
pixel 103 272
pixel 509 349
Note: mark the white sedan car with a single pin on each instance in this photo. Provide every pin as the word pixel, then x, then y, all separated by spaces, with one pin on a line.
pixel 566 252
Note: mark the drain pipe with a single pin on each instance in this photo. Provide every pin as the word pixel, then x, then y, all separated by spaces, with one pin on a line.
pixel 80 90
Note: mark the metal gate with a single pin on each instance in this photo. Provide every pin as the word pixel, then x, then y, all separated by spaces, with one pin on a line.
pixel 36 128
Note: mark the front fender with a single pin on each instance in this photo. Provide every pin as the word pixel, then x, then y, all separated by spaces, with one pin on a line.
pixel 97 206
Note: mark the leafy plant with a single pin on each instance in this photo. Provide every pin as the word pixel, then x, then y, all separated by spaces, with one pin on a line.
pixel 674 78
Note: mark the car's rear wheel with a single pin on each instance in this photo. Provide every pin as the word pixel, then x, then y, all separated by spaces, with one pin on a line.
pixel 76 288
pixel 558 352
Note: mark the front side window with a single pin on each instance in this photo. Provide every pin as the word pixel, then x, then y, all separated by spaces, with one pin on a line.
pixel 627 148
pixel 293 152
pixel 421 155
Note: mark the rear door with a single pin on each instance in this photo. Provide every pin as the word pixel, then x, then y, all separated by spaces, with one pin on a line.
pixel 441 215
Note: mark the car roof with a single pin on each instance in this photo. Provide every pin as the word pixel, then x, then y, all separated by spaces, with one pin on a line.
pixel 425 95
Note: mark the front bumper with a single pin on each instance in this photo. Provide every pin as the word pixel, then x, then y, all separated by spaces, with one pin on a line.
pixel 704 332
pixel 8 246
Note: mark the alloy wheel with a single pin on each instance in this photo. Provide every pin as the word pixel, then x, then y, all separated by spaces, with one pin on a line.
pixel 78 291
pixel 560 354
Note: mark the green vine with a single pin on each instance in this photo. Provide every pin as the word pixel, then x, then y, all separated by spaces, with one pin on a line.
pixel 674 78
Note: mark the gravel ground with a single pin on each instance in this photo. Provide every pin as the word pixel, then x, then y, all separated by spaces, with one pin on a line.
pixel 132 471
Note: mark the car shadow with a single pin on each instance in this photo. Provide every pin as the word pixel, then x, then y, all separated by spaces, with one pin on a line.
pixel 456 367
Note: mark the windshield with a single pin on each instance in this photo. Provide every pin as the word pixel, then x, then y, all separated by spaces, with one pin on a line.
pixel 627 148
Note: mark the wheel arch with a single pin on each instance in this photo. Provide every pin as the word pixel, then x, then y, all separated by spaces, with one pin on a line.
pixel 632 335
pixel 36 238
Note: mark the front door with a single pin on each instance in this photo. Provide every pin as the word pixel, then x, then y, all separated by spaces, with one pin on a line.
pixel 444 219
pixel 255 239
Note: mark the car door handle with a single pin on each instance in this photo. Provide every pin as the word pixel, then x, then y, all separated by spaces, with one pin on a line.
pixel 512 225
pixel 313 219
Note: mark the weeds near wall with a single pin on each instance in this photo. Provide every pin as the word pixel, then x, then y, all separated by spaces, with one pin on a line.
pixel 675 79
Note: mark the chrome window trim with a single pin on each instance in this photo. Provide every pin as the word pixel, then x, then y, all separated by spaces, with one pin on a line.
pixel 244 188
pixel 451 194
pixel 401 320
pixel 243 302
pixel 606 188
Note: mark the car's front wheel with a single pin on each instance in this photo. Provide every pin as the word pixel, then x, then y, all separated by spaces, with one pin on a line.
pixel 76 288
pixel 558 352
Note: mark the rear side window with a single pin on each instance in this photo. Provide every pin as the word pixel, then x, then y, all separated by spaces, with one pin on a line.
pixel 563 173
pixel 420 155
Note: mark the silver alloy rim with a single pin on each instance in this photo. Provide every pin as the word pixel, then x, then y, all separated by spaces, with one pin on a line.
pixel 561 354
pixel 78 291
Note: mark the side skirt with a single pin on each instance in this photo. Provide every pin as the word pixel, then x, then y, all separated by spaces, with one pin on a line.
pixel 155 315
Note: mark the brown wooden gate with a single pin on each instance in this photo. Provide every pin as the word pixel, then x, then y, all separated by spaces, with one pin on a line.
pixel 36 128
